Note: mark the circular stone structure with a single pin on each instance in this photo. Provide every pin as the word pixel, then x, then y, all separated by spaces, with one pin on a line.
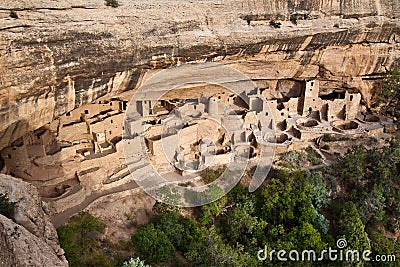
pixel 306 123
pixel 134 140
pixel 371 118
pixel 345 126
pixel 276 139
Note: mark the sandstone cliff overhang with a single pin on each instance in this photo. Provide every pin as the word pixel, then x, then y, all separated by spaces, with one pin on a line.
pixel 59 55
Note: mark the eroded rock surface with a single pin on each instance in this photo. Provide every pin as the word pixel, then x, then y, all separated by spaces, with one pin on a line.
pixel 59 55
pixel 31 239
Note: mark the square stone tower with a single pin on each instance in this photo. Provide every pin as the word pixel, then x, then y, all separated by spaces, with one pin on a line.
pixel 311 100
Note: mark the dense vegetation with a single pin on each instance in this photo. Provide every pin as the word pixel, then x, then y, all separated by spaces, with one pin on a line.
pixel 389 95
pixel 356 198
pixel 81 241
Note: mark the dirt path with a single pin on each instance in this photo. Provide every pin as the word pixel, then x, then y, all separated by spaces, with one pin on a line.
pixel 62 217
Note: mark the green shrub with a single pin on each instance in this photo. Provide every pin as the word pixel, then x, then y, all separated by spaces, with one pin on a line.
pixel 328 138
pixel 351 167
pixel 153 244
pixel 285 164
pixel 181 231
pixel 7 208
pixel 295 17
pixel 13 14
pixel 319 194
pixel 321 223
pixel 80 239
pixel 135 263
pixel 372 141
pixel 209 175
pixel 275 24
pixel 313 157
pixel 248 19
pixel 389 95
pixel 294 159
pixel 326 147
pixel 112 3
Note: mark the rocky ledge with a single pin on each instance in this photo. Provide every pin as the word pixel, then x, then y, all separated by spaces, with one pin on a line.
pixel 30 239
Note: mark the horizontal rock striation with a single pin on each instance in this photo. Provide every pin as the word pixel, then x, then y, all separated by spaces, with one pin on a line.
pixel 59 55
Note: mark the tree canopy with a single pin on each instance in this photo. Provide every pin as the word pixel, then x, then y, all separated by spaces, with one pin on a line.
pixel 389 95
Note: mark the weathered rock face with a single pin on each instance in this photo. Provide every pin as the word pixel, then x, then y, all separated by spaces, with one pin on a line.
pixel 19 247
pixel 58 55
pixel 31 239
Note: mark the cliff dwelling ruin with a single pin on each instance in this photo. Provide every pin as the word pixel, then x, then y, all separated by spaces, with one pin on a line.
pixel 81 152
pixel 69 70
